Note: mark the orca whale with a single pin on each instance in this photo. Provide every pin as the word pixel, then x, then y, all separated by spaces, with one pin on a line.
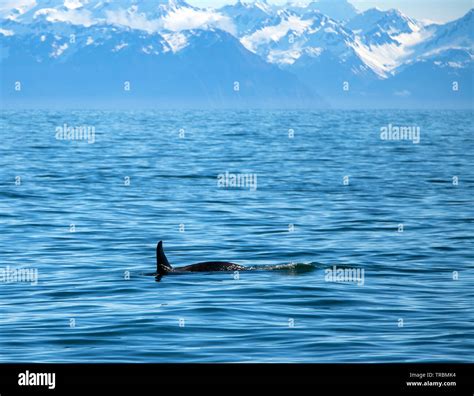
pixel 163 267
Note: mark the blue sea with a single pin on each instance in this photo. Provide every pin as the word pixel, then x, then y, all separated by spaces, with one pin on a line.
pixel 316 191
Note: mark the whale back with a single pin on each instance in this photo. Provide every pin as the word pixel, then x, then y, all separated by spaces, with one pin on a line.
pixel 211 266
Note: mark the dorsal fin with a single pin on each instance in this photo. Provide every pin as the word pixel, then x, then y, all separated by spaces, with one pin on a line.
pixel 162 264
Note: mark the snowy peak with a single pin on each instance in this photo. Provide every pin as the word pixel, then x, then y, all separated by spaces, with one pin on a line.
pixel 375 23
pixel 249 16
pixel 260 8
pixel 258 4
pixel 386 39
pixel 294 35
pixel 339 10
pixel 455 34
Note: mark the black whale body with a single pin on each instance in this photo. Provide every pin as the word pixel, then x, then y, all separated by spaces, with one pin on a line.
pixel 163 267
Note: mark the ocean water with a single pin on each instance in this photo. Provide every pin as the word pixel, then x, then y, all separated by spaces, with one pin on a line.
pixel 86 216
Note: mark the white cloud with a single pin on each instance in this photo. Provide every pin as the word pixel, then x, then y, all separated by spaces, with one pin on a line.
pixel 133 20
pixel 76 17
pixel 179 19
pixel 73 4
pixel 188 18
pixel 276 32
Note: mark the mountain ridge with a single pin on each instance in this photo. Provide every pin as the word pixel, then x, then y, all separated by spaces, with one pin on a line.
pixel 286 56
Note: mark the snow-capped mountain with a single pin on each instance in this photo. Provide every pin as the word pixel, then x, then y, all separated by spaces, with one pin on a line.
pixel 249 16
pixel 339 10
pixel 60 61
pixel 456 34
pixel 250 52
pixel 386 38
pixel 441 68
pixel 381 41
pixel 374 20
pixel 319 50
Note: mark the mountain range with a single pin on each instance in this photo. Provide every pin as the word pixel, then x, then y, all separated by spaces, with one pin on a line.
pixel 168 53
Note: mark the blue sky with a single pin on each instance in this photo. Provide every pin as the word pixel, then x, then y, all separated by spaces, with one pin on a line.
pixel 436 10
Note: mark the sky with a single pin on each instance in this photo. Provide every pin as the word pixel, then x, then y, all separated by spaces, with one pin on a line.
pixel 434 10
